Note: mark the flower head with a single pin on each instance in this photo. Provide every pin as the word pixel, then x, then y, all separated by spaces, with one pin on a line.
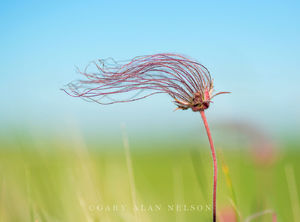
pixel 188 82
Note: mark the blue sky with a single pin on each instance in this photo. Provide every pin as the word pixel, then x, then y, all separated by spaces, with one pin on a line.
pixel 251 48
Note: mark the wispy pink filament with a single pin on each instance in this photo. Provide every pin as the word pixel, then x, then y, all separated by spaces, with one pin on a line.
pixel 173 74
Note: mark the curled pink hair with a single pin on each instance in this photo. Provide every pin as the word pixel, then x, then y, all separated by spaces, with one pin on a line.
pixel 188 82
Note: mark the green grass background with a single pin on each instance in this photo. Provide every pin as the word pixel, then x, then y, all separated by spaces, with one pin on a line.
pixel 54 179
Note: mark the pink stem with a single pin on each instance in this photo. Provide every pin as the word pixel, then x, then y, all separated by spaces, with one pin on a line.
pixel 213 153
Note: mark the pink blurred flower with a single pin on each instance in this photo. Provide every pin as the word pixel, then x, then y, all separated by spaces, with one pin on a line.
pixel 227 214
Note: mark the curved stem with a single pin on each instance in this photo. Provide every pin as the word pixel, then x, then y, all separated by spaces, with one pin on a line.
pixel 213 153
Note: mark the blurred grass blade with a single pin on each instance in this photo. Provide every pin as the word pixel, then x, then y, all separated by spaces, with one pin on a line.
pixel 292 187
pixel 259 214
pixel 130 170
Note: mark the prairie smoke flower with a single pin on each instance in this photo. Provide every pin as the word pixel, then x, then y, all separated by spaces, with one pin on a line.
pixel 188 82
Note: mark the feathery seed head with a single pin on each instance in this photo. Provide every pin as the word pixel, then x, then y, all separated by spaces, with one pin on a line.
pixel 188 82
